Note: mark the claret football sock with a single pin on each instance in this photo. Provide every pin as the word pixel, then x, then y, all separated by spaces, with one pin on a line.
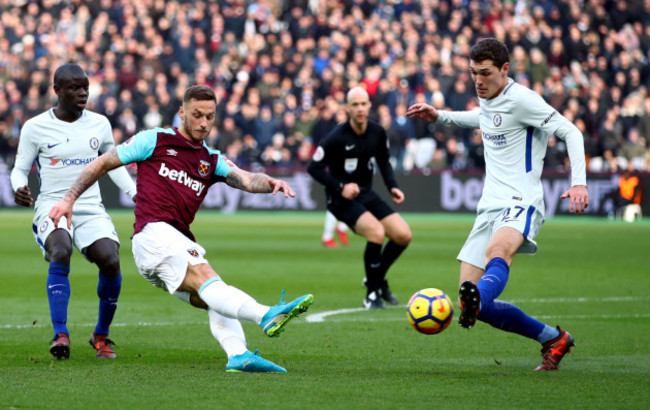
pixel 58 294
pixel 493 280
pixel 108 290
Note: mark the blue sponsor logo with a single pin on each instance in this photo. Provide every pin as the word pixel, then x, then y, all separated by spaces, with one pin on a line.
pixel 496 140
pixel 77 161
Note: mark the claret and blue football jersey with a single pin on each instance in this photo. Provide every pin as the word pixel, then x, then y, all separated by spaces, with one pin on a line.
pixel 174 175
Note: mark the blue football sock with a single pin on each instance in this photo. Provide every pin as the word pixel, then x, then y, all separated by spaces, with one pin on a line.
pixel 493 280
pixel 58 294
pixel 510 318
pixel 108 290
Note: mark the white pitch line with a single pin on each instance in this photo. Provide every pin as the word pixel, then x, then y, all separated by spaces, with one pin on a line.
pixel 544 317
pixel 320 317
pixel 330 314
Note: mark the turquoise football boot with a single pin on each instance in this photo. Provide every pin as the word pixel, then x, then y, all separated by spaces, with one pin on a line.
pixel 278 316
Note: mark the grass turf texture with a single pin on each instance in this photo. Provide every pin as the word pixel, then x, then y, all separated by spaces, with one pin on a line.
pixel 591 277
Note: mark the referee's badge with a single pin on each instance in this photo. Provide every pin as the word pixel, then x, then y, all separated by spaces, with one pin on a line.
pixel 350 165
pixel 497 120
pixel 94 143
pixel 319 154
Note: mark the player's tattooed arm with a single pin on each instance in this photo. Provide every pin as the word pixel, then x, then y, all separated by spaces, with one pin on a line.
pixel 88 176
pixel 249 182
pixel 257 183
pixel 92 173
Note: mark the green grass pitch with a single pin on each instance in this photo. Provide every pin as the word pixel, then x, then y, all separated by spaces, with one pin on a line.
pixel 591 276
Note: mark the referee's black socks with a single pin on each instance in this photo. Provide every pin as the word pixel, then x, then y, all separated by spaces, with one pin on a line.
pixel 372 260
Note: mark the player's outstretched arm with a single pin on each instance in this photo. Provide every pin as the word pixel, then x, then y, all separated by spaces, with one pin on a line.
pixel 578 197
pixel 422 111
pixel 88 176
pixel 257 183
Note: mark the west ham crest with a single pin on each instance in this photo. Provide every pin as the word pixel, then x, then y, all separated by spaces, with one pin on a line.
pixel 204 168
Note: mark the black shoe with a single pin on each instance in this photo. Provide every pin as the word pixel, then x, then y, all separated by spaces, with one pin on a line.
pixel 470 302
pixel 384 292
pixel 387 295
pixel 373 301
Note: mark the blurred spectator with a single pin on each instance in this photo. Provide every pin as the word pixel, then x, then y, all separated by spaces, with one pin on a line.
pixel 627 192
pixel 475 155
pixel 228 134
pixel 634 149
pixel 269 60
pixel 556 155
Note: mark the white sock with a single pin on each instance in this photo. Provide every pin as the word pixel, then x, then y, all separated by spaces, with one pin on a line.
pixel 341 227
pixel 231 302
pixel 228 332
pixel 330 224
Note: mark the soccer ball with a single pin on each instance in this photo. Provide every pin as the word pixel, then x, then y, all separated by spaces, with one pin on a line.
pixel 429 311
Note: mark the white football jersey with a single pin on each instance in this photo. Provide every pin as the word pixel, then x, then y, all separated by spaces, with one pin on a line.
pixel 516 125
pixel 61 150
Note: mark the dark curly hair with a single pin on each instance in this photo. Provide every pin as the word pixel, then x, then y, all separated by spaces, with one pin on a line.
pixel 490 49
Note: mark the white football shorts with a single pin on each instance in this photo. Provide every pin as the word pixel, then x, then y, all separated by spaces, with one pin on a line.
pixel 162 254
pixel 527 219
pixel 90 222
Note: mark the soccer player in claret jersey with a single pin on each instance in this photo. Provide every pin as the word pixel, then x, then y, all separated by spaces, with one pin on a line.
pixel 175 170
pixel 62 141
pixel 515 123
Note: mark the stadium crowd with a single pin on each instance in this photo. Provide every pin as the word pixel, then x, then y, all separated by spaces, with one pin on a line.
pixel 281 70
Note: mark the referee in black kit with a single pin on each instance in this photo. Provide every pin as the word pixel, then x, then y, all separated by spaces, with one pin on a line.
pixel 343 164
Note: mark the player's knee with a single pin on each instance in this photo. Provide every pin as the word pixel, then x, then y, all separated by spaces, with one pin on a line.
pixel 377 234
pixel 110 265
pixel 60 253
pixel 404 237
pixel 498 252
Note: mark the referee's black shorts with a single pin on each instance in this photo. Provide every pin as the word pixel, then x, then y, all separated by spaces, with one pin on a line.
pixel 349 211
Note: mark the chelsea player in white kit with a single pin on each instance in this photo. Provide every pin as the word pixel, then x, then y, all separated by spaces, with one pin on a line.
pixel 62 141
pixel 515 123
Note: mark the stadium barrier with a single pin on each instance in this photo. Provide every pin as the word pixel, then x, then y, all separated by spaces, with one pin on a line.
pixel 446 191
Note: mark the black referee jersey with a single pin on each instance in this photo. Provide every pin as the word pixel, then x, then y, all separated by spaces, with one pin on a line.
pixel 343 156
